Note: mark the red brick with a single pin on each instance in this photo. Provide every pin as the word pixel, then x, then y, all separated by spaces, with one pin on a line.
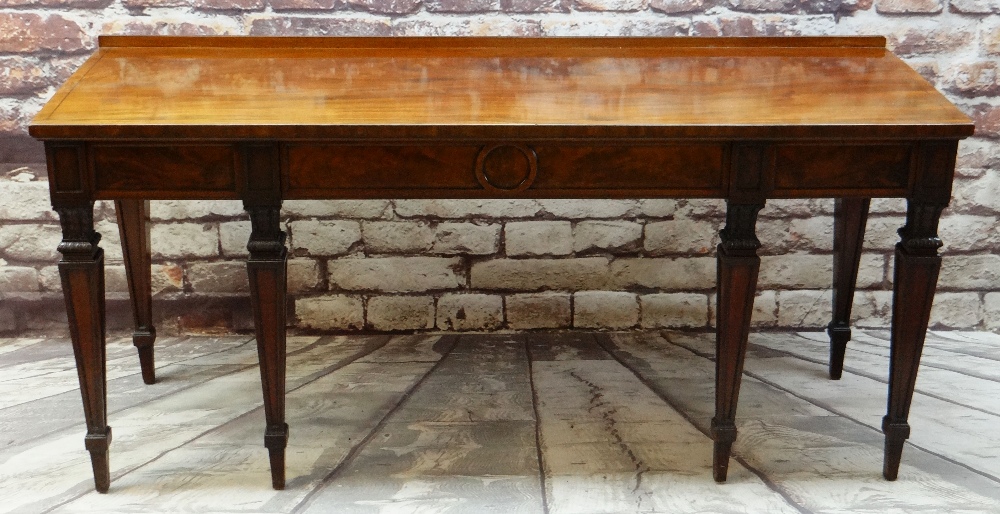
pixel 461 5
pixel 229 5
pixel 28 32
pixel 534 5
pixel 756 25
pixel 909 6
pixel 987 118
pixel 85 4
pixel 343 26
pixel 155 3
pixel 491 26
pixel 677 6
pixel 975 6
pixel 19 76
pixel 387 6
pixel 304 5
pixel 764 5
pixel 927 38
pixel 979 78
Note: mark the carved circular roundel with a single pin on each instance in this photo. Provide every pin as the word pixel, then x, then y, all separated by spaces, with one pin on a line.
pixel 506 167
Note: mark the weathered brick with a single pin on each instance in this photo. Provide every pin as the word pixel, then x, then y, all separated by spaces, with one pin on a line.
pixel 469 312
pixel 807 308
pixel 534 5
pixel 396 274
pixel 303 275
pixel 681 236
pixel 175 210
pixel 967 233
pixel 605 309
pixel 218 277
pixel 166 278
pixel 978 152
pixel 580 209
pixel 872 271
pixel 233 238
pixel 987 119
pixel 872 309
pixel 689 273
pixel 796 207
pixel 360 209
pixel 18 279
pixel 401 312
pixel 677 6
pixel 397 236
pixel 467 208
pixel 575 26
pixel 796 271
pixel 304 5
pixel 880 232
pixel 30 242
pixel 538 310
pixel 534 238
pixel 970 272
pixel 326 237
pixel 29 32
pixel 763 5
pixel 184 240
pixel 976 78
pixel 268 25
pixel 765 309
pixel 926 37
pixel 115 280
pixel 618 236
pixel 989 36
pixel 610 5
pixel 991 311
pixel 658 207
pixel 674 310
pixel 975 6
pixel 19 75
pixel 387 6
pixel 977 196
pixel 540 274
pixel 739 24
pixel 466 238
pixel 32 201
pixel 167 25
pixel 229 5
pixel 909 6
pixel 477 26
pixel 956 310
pixel 335 312
pixel 461 6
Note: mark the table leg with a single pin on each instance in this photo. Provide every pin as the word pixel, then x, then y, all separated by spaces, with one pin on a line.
pixel 267 269
pixel 850 217
pixel 82 272
pixel 915 278
pixel 133 225
pixel 738 265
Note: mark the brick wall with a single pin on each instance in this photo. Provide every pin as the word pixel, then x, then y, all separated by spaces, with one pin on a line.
pixel 491 265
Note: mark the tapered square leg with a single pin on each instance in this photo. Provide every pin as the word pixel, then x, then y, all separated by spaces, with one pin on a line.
pixel 850 217
pixel 82 272
pixel 267 270
pixel 915 279
pixel 133 226
pixel 738 265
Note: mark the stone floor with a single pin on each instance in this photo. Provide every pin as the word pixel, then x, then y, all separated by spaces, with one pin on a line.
pixel 560 423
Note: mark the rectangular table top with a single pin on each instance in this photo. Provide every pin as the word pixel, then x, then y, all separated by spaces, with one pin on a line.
pixel 412 88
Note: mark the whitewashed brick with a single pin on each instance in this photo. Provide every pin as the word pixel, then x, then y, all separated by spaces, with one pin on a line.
pixel 796 271
pixel 701 208
pixel 968 233
pixel 355 209
pixel 674 310
pixel 466 238
pixel 18 279
pixel 303 275
pixel 166 278
pixel 397 236
pixel 175 210
pixel 115 280
pixel 888 206
pixel 681 236
pixel 401 312
pixel 30 242
pixel 991 311
pixel 184 240
pixel 536 238
pixel 688 273
pixel 796 234
pixel 467 208
pixel 396 274
pixel 110 239
pixel 539 310
pixel 606 235
pixel 233 238
pixel 880 232
pixel 218 277
pixel 971 272
pixel 872 309
pixel 956 310
pixel 765 309
pixel 324 237
pixel 335 312
pixel 469 312
pixel 871 271
pixel 605 309
pixel 610 5
pixel 540 274
pixel 577 209
pixel 25 201
pixel 658 207
pixel 809 308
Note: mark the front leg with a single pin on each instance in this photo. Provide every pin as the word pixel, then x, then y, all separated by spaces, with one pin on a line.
pixel 738 265
pixel 267 267
pixel 916 274
pixel 82 272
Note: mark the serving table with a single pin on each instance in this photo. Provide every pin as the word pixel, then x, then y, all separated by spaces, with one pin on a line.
pixel 267 119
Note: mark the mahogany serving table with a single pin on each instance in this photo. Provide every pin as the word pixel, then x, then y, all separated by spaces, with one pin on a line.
pixel 268 119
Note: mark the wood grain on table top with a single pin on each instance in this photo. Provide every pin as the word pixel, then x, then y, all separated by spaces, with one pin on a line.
pixel 237 87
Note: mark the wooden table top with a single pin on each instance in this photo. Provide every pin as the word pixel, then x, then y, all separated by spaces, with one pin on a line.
pixel 248 87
